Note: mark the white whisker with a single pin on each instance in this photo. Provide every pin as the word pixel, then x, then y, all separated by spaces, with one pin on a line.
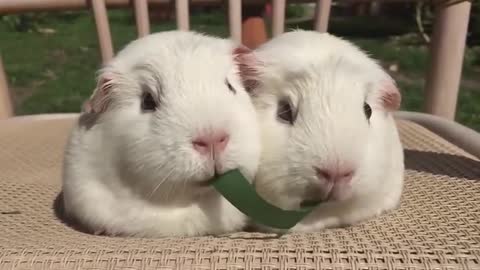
pixel 161 182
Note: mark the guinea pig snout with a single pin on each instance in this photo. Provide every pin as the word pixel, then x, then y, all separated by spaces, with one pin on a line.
pixel 335 182
pixel 213 143
pixel 335 174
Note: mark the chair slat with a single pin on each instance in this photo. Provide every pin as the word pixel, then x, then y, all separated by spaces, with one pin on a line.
pixel 278 20
pixel 235 19
pixel 142 17
pixel 443 79
pixel 6 107
pixel 447 51
pixel 322 15
pixel 103 29
pixel 183 15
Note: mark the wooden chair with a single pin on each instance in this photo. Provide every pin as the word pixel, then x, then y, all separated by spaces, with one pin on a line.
pixel 436 225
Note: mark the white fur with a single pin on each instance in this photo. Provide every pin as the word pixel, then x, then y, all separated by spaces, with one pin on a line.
pixel 136 173
pixel 328 80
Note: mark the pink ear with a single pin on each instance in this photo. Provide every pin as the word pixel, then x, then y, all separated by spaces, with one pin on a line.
pixel 248 66
pixel 100 99
pixel 390 95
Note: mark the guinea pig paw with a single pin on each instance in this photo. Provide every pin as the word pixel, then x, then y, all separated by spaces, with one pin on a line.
pixel 316 225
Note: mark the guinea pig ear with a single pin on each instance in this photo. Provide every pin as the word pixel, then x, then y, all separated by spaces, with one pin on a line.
pixel 390 96
pixel 100 99
pixel 248 67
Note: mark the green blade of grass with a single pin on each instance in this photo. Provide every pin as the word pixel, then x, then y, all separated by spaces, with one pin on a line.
pixel 239 192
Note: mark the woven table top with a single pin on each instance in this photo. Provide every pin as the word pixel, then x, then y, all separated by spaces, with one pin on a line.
pixel 436 226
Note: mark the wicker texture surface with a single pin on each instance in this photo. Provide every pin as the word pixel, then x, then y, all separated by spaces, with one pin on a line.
pixel 436 226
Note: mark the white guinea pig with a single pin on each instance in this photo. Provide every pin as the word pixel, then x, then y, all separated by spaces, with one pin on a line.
pixel 169 112
pixel 325 112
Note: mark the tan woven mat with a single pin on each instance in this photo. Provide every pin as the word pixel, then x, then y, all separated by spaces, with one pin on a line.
pixel 436 227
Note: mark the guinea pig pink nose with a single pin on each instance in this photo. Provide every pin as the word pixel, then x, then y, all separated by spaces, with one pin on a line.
pixel 215 142
pixel 335 175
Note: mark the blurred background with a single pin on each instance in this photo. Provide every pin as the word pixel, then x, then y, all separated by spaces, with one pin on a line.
pixel 51 57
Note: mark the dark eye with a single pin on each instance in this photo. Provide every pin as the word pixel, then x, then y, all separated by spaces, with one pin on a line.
pixel 285 112
pixel 368 110
pixel 148 103
pixel 230 87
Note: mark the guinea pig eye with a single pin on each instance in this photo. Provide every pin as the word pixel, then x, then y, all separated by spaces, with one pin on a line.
pixel 368 110
pixel 285 112
pixel 148 103
pixel 230 87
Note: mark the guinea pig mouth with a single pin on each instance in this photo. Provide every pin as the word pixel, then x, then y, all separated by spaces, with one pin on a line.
pixel 330 195
pixel 208 181
pixel 315 194
pixel 205 178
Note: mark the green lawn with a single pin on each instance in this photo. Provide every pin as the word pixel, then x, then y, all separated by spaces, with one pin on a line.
pixel 56 72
